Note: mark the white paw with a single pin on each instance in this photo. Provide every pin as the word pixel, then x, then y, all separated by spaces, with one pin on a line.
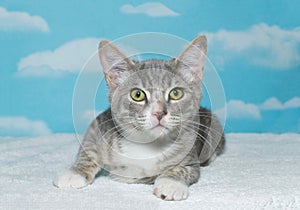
pixel 70 179
pixel 169 189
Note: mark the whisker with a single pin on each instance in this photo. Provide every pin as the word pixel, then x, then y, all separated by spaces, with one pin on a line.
pixel 116 127
pixel 202 138
pixel 202 115
pixel 199 129
pixel 126 134
pixel 210 128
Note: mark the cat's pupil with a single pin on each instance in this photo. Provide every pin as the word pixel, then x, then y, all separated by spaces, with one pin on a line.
pixel 175 92
pixel 138 94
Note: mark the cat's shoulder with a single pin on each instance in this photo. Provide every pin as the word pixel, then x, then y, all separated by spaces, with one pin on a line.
pixel 106 115
pixel 204 110
pixel 105 120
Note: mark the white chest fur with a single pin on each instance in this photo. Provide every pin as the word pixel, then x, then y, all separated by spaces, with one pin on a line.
pixel 150 150
pixel 142 159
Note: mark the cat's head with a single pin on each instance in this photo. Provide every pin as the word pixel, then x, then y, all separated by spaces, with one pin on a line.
pixel 152 98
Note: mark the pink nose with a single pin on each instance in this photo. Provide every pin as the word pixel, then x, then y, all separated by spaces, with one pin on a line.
pixel 159 115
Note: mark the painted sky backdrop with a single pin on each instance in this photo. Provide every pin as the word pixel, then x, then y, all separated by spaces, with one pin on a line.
pixel 254 45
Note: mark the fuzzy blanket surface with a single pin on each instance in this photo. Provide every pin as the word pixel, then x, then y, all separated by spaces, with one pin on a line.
pixel 257 171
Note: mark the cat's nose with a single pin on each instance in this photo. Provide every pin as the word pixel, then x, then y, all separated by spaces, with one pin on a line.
pixel 158 109
pixel 159 115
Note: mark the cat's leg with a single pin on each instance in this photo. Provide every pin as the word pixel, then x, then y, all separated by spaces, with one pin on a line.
pixel 86 166
pixel 173 184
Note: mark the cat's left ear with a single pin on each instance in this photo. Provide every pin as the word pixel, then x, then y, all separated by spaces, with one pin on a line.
pixel 115 64
pixel 190 63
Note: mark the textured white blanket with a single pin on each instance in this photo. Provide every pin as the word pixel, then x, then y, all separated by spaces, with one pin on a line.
pixel 258 171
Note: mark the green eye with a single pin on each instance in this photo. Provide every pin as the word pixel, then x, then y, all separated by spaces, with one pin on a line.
pixel 176 94
pixel 138 95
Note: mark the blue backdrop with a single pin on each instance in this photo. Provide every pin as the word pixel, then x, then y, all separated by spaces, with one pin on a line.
pixel 254 46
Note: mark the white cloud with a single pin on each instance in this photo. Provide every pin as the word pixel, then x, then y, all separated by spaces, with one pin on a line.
pixel 239 109
pixel 263 45
pixel 274 104
pixel 21 21
pixel 271 104
pixel 293 103
pixel 152 9
pixel 21 126
pixel 68 58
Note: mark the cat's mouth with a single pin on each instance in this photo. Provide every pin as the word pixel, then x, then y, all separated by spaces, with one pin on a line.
pixel 159 126
pixel 161 129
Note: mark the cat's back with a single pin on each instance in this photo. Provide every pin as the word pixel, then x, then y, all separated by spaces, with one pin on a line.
pixel 211 136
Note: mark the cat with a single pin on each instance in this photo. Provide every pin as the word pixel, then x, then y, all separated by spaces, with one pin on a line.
pixel 154 132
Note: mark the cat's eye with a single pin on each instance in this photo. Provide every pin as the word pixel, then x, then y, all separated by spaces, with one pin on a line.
pixel 176 94
pixel 138 95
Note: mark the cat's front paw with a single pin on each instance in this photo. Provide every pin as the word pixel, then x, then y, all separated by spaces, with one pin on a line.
pixel 170 189
pixel 70 179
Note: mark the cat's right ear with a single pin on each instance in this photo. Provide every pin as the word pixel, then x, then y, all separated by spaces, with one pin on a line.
pixel 191 61
pixel 114 63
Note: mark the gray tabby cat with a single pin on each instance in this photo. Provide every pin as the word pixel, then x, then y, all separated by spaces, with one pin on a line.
pixel 154 131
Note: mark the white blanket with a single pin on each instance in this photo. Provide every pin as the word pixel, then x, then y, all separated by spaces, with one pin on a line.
pixel 258 171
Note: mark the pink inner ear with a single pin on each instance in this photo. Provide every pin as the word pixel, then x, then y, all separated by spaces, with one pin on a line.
pixel 112 76
pixel 115 76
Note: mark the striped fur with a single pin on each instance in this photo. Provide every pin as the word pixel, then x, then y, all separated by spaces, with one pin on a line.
pixel 120 141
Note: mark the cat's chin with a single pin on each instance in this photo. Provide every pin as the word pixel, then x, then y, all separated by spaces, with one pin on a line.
pixel 159 128
pixel 158 131
pixel 151 135
pixel 147 135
